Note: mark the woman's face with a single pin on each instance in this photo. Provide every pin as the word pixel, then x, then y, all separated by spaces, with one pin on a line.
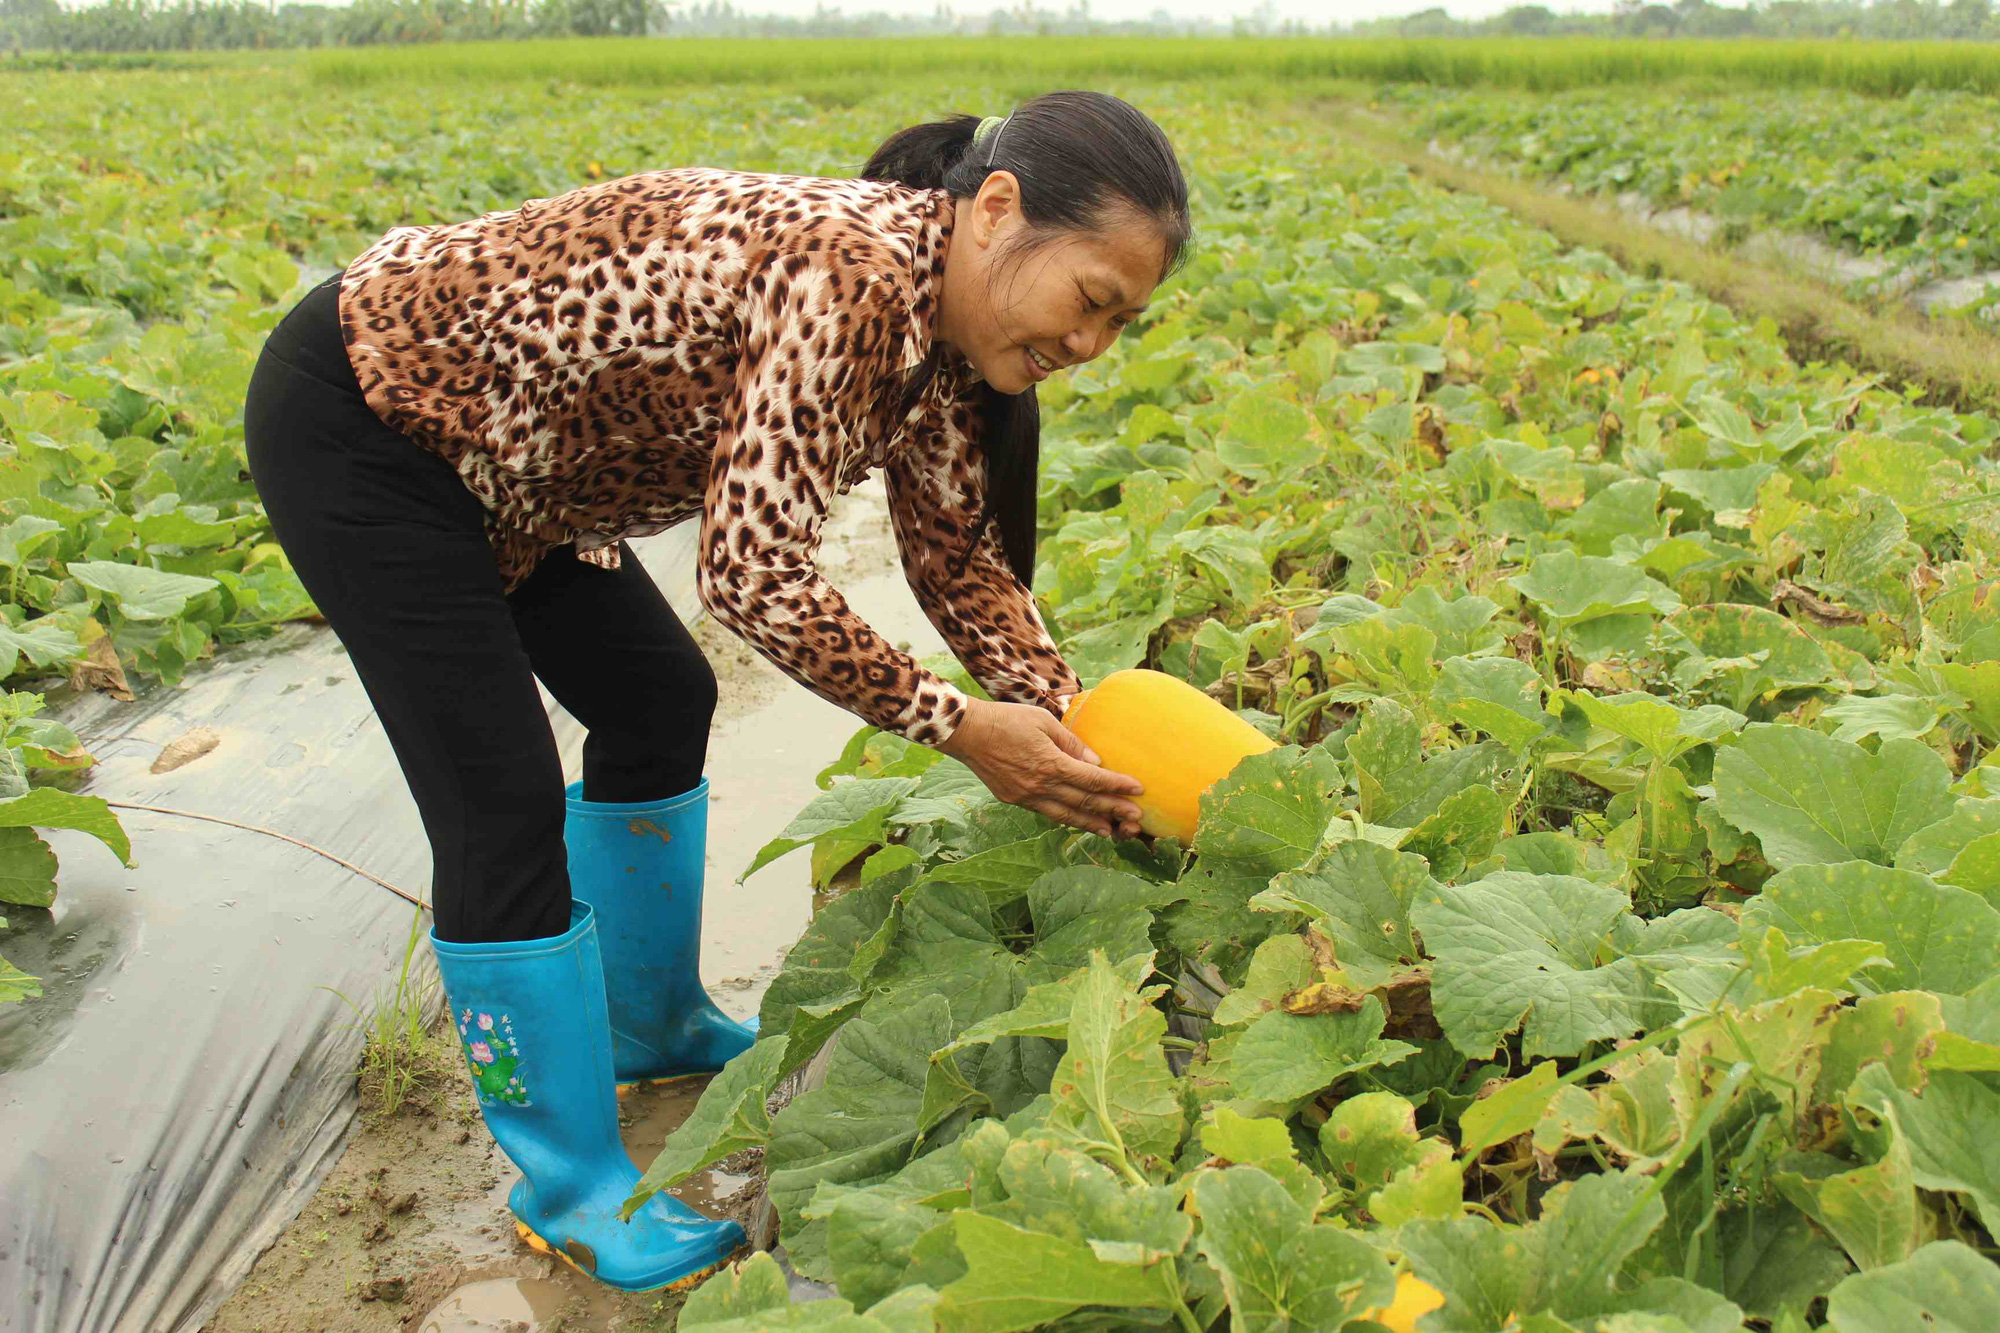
pixel 1018 314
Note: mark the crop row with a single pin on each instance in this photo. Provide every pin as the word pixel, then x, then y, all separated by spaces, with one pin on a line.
pixel 1914 181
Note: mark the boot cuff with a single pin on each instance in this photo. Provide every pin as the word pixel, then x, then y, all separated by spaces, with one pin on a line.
pixel 582 924
pixel 580 808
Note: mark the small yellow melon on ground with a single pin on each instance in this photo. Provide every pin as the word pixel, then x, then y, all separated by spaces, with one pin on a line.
pixel 1415 1298
pixel 1169 735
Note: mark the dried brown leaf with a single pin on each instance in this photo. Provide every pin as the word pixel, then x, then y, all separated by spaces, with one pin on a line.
pixel 101 670
pixel 1791 594
pixel 185 749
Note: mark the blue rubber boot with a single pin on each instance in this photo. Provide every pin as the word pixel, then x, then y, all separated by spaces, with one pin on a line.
pixel 530 1017
pixel 641 864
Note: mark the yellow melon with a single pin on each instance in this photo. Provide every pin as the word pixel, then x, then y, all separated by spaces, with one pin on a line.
pixel 1169 735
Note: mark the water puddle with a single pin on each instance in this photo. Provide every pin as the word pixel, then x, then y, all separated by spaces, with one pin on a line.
pixel 497 1305
pixel 483 1230
pixel 647 1114
pixel 525 1305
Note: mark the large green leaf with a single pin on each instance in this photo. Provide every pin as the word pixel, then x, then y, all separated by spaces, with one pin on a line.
pixel 949 945
pixel 1529 951
pixel 1462 832
pixel 1113 1086
pixel 1893 717
pixel 51 807
pixel 752 1287
pixel 1044 1008
pixel 1588 1229
pixel 1946 1287
pixel 1388 659
pixel 140 593
pixel 1768 1258
pixel 1497 695
pixel 1871 1209
pixel 16 985
pixel 1399 785
pixel 1371 1141
pixel 1265 1143
pixel 729 1117
pixel 1936 937
pixel 1283 1272
pixel 1950 1129
pixel 1264 435
pixel 1066 1193
pixel 754 1297
pixel 1812 799
pixel 1002 870
pixel 1979 684
pixel 1572 587
pixel 1654 725
pixel 1268 814
pixel 1357 894
pixel 1284 1057
pixel 1746 654
pixel 860 1125
pixel 820 967
pixel 1080 908
pixel 1021 1279
pixel 1280 965
pixel 1462 626
pixel 1567 1265
pixel 1939 848
pixel 895 1232
pixel 27 868
pixel 1899 1029
pixel 1486 1273
pixel 34 643
pixel 1723 492
pixel 850 812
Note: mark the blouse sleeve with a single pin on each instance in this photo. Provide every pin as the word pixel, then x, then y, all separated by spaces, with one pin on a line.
pixel 819 342
pixel 936 488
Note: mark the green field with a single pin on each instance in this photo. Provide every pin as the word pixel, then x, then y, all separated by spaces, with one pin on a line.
pixel 1608 945
pixel 1879 69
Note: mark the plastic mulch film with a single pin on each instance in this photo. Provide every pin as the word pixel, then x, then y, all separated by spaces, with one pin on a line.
pixel 187 1078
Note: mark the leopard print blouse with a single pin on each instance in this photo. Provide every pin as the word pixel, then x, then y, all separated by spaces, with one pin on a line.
pixel 739 347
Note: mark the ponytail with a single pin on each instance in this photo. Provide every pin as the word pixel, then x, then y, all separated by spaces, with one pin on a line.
pixel 922 156
pixel 1075 154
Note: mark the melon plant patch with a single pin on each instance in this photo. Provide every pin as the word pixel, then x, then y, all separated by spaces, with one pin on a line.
pixel 1607 945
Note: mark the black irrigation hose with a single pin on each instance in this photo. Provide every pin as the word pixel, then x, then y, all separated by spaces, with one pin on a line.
pixel 273 833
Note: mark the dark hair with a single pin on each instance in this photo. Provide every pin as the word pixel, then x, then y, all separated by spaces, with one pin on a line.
pixel 1077 155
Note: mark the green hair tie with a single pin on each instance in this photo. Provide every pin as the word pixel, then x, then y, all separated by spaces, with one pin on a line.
pixel 989 130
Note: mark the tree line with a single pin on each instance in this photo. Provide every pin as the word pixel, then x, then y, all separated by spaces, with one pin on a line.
pixel 140 26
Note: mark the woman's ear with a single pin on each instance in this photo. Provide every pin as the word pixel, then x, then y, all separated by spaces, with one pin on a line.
pixel 996 209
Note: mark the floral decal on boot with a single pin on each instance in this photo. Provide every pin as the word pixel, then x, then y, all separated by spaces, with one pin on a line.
pixel 492 1056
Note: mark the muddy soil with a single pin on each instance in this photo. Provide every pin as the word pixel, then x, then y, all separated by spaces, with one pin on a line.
pixel 410 1229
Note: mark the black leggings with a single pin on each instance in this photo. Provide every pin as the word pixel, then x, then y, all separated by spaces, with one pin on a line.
pixel 392 546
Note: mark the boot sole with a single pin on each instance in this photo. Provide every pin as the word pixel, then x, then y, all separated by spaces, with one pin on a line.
pixel 632 1084
pixel 541 1246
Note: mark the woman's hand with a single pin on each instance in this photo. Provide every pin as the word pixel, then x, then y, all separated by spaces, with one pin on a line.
pixel 1027 758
